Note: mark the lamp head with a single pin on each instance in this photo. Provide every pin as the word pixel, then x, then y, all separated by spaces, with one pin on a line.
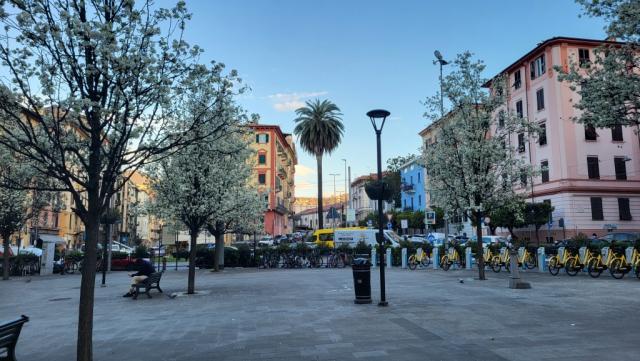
pixel 376 114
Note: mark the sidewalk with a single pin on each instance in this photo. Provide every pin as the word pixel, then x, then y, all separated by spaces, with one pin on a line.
pixel 309 315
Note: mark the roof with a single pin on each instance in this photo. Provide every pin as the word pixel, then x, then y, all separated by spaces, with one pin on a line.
pixel 550 42
pixel 325 207
pixel 366 177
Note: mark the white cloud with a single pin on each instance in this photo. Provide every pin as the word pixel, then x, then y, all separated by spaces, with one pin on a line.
pixel 303 171
pixel 287 102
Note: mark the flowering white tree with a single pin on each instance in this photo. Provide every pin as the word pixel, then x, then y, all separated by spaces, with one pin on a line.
pixel 90 95
pixel 471 167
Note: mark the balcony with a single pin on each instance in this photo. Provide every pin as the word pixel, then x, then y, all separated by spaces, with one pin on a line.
pixel 282 173
pixel 408 188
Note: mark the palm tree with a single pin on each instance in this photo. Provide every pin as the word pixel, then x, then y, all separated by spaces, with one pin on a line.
pixel 319 129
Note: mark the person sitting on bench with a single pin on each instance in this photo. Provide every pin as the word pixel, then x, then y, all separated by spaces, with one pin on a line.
pixel 145 269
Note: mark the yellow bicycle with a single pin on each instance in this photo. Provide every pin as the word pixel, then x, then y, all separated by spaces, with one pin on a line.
pixel 619 265
pixel 559 261
pixel 419 258
pixel 450 258
pixel 575 264
pixel 500 260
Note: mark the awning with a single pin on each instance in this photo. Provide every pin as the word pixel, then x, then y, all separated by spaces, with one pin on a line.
pixel 52 238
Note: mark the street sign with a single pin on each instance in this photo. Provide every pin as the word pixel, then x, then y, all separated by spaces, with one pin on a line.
pixel 431 238
pixel 389 225
pixel 369 223
pixel 430 217
pixel 333 213
pixel 404 223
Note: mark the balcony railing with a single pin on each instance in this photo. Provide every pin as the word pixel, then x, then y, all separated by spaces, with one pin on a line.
pixel 407 188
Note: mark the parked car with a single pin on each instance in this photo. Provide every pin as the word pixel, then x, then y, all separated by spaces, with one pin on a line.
pixel 266 241
pixel 621 236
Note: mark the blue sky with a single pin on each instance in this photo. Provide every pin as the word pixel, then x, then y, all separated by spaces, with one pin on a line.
pixel 364 55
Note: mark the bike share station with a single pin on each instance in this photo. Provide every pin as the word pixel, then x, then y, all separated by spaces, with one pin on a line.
pixel 49 243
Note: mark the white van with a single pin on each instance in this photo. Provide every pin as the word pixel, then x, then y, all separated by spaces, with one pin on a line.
pixel 351 237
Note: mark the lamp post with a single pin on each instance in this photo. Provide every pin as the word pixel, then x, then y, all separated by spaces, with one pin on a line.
pixel 381 116
pixel 442 62
pixel 333 214
pixel 346 195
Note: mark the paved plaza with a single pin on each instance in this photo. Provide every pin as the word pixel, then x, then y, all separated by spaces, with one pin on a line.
pixel 310 315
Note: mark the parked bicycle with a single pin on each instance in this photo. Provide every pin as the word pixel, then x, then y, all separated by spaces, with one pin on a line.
pixel 419 258
pixel 557 262
pixel 452 257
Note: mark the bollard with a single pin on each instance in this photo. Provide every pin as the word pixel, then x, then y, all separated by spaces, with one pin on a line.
pixel 521 257
pixel 542 260
pixel 605 253
pixel 404 258
pixel 374 257
pixel 628 253
pixel 388 258
pixel 436 257
pixel 164 264
pixel 468 258
pixel 582 251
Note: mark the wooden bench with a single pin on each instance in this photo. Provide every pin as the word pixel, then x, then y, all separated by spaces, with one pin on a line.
pixel 153 281
pixel 9 333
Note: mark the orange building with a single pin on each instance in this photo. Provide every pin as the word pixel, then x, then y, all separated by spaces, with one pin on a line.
pixel 274 172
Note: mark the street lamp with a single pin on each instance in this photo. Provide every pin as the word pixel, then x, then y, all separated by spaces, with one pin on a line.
pixel 345 188
pixel 380 115
pixel 440 60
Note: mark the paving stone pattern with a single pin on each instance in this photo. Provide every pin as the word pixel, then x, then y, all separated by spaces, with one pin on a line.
pixel 310 315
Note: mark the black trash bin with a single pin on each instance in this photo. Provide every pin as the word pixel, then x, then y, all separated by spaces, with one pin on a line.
pixel 362 280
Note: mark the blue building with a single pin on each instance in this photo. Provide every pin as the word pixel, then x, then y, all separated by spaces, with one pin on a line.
pixel 413 191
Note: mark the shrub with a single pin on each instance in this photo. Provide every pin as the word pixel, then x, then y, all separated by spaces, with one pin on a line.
pixel 231 257
pixel 244 256
pixel 75 256
pixel 362 248
pixel 140 252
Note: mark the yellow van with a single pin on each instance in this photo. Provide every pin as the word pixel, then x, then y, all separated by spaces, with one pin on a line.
pixel 324 237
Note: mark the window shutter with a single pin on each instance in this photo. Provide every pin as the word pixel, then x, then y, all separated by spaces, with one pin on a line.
pixel 621 168
pixel 593 168
pixel 616 133
pixel 624 209
pixel 596 209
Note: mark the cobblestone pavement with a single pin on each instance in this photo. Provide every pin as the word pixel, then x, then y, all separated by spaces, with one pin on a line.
pixel 310 315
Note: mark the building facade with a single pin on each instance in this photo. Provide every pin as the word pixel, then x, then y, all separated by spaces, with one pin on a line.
pixel 274 172
pixel 412 195
pixel 361 203
pixel 308 219
pixel 591 176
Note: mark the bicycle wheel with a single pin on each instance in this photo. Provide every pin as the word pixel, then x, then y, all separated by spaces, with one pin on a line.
pixel 445 263
pixel 637 268
pixel 412 263
pixel 530 262
pixel 594 268
pixel 572 266
pixel 426 261
pixel 617 269
pixel 495 264
pixel 554 265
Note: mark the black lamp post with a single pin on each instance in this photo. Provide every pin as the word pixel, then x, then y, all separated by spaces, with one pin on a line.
pixel 375 116
pixel 440 60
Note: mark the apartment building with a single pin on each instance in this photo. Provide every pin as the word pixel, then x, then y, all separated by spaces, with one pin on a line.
pixel 412 176
pixel 591 176
pixel 274 172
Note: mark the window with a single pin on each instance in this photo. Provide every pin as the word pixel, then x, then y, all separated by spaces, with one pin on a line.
pixel 593 167
pixel 621 168
pixel 262 138
pixel 262 178
pixel 262 159
pixel 519 110
pixel 590 132
pixel 540 99
pixel 501 119
pixel 418 177
pixel 544 168
pixel 521 142
pixel 517 81
pixel 523 177
pixel 419 200
pixel 616 133
pixel 542 134
pixel 583 57
pixel 537 67
pixel 624 209
pixel 596 209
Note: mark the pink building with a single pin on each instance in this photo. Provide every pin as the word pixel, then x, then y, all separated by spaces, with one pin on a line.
pixel 593 177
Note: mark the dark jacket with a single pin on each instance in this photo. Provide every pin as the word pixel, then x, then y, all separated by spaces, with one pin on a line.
pixel 145 269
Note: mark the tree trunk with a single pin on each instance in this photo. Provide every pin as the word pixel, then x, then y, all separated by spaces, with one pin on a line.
pixel 320 208
pixel 218 233
pixel 5 258
pixel 105 243
pixel 87 287
pixel 479 248
pixel 192 263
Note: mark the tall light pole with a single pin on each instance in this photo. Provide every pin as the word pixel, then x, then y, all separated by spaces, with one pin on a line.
pixel 374 116
pixel 333 214
pixel 440 60
pixel 346 194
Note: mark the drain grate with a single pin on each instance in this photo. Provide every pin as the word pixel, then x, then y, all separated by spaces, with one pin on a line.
pixel 60 299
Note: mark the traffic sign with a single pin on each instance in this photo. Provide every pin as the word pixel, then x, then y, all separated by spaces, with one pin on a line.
pixel 430 217
pixel 431 238
pixel 369 223
pixel 389 225
pixel 404 223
